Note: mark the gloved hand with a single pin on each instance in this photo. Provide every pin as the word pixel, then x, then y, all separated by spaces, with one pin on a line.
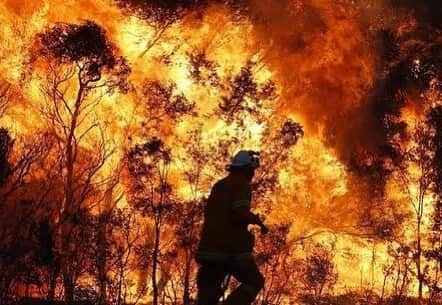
pixel 264 229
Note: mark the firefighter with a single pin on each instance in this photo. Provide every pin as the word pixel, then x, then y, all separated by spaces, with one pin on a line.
pixel 226 245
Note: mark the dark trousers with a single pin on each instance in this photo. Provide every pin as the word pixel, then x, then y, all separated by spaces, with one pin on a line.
pixel 211 276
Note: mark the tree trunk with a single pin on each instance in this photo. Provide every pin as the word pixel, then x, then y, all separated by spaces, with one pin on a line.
pixel 155 263
pixel 68 283
pixel 186 293
pixel 69 208
pixel 404 283
pixel 381 299
pixel 53 281
pixel 101 261
pixel 419 260
pixel 120 284
pixel 102 247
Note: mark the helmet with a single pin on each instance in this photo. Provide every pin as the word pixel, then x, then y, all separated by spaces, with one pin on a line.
pixel 245 158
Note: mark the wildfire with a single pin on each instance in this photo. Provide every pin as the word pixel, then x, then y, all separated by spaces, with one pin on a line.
pixel 316 66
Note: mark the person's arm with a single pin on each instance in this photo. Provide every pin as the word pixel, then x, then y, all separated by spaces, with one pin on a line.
pixel 241 204
pixel 242 215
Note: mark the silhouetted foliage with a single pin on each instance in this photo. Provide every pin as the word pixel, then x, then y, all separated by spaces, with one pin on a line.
pixel 278 145
pixel 319 274
pixel 138 166
pixel 161 12
pixel 161 101
pixel 277 262
pixel 246 95
pixel 151 193
pixel 435 122
pixel 430 13
pixel 87 45
pixel 405 73
pixel 434 252
pixel 290 133
pixel 82 57
pixel 203 71
pixel 72 42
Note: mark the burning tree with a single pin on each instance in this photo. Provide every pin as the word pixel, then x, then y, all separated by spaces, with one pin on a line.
pixel 275 256
pixel 24 257
pixel 319 274
pixel 161 105
pixel 188 216
pixel 434 252
pixel 80 67
pixel 148 165
pixel 159 15
pixel 420 156
pixel 26 244
pixel 197 164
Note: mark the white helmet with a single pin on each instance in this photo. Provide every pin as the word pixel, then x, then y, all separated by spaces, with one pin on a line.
pixel 245 158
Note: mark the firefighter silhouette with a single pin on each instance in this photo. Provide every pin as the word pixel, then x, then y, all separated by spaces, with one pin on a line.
pixel 226 245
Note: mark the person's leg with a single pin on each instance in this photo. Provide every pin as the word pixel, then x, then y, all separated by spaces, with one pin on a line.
pixel 247 273
pixel 209 280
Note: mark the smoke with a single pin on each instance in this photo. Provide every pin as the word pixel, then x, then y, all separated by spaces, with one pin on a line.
pixel 428 12
pixel 341 65
pixel 346 70
pixel 23 8
pixel 326 63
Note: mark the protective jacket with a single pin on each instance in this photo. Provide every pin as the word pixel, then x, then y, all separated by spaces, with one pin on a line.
pixel 227 215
